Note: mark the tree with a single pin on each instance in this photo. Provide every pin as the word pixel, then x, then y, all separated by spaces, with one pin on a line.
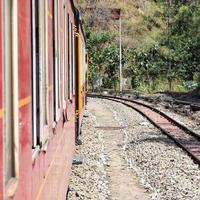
pixel 103 57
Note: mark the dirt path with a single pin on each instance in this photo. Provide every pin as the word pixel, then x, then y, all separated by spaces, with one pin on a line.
pixel 123 184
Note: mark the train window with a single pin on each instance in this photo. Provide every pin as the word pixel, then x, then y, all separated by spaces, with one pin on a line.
pixel 39 72
pixel 35 74
pixel 63 60
pixel 71 57
pixel 46 61
pixel 43 69
pixel 59 55
pixel 10 94
pixel 65 54
pixel 73 62
pixel 56 60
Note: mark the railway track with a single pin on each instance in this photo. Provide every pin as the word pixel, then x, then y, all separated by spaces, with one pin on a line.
pixel 182 135
pixel 193 106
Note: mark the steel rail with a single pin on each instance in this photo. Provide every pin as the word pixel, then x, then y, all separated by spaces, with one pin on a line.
pixel 184 137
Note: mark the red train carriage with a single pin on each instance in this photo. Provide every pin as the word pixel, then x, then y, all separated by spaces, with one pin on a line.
pixel 42 92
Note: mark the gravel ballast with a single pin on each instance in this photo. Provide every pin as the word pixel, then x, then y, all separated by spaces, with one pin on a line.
pixel 163 169
pixel 89 180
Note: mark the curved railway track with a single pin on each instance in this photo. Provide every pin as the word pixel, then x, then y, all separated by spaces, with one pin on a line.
pixel 193 106
pixel 182 135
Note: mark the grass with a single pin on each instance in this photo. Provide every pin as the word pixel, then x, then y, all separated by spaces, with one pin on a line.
pixel 162 85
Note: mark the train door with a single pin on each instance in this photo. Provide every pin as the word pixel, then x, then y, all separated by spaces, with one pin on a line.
pixel 10 98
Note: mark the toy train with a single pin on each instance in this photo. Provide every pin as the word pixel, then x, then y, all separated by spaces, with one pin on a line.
pixel 43 85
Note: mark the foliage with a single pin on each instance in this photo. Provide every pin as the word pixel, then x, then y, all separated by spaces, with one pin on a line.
pixel 175 54
pixel 161 46
pixel 103 54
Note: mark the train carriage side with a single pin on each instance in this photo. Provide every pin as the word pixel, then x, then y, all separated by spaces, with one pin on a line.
pixel 16 100
pixel 57 152
pixel 37 98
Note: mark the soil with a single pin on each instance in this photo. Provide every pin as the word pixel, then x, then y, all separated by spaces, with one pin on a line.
pixel 123 184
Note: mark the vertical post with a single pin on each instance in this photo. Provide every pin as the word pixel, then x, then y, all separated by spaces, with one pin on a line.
pixel 120 56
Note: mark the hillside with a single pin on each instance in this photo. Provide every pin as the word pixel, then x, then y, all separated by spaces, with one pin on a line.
pixel 160 43
pixel 139 27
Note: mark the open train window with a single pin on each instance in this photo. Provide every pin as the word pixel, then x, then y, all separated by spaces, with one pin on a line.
pixel 35 74
pixel 10 95
pixel 72 60
pixel 39 72
pixel 55 85
pixel 56 60
pixel 65 55
pixel 70 57
pixel 58 39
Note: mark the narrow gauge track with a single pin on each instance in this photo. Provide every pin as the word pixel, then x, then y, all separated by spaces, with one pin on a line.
pixel 183 136
pixel 194 106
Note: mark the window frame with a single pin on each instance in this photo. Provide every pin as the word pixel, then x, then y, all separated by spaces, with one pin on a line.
pixel 71 61
pixel 56 36
pixel 74 30
pixel 69 57
pixel 65 54
pixel 10 88
pixel 43 72
pixel 64 62
pixel 40 76
pixel 59 60
pixel 35 74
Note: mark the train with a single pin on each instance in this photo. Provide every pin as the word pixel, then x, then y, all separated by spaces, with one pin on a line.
pixel 44 71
